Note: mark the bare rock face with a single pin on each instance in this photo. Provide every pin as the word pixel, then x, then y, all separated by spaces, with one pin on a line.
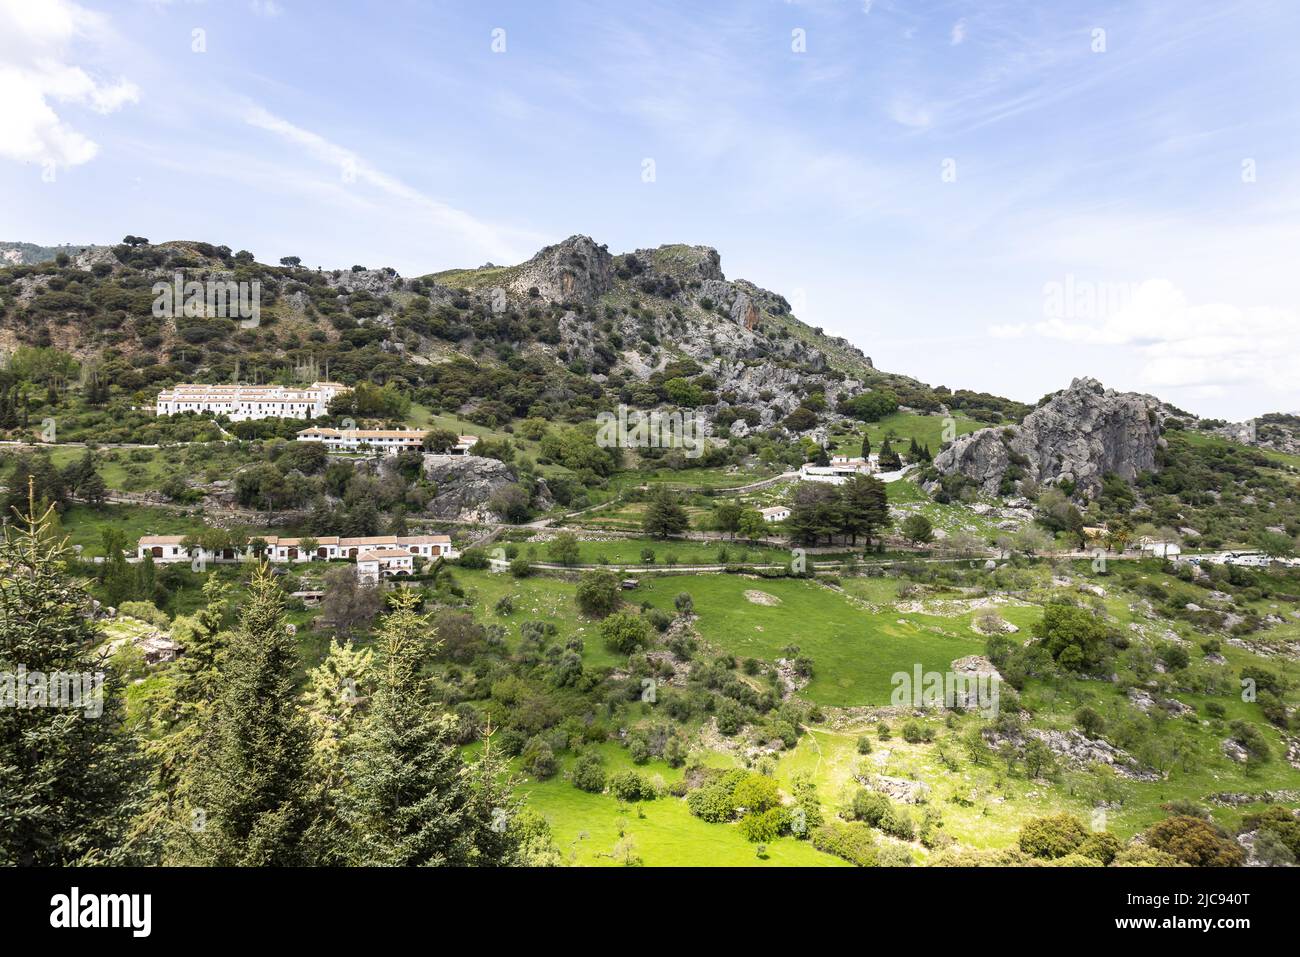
pixel 576 270
pixel 466 484
pixel 1080 435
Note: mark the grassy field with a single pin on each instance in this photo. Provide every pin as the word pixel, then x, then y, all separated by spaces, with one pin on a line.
pixel 855 652
pixel 900 428
pixel 627 551
pixel 586 826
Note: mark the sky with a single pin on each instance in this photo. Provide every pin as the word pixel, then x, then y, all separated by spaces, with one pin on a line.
pixel 999 195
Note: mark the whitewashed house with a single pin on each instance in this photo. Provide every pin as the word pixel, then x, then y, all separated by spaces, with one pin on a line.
pixel 241 402
pixel 374 565
pixel 777 513
pixel 387 441
pixel 167 549
pixel 1159 549
pixel 840 470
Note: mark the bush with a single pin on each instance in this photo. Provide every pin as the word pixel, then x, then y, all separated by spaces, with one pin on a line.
pixel 762 826
pixel 1194 841
pixel 589 772
pixel 147 612
pixel 598 593
pixel 756 793
pixel 624 633
pixel 1052 837
pixel 864 744
pixel 473 558
pixel 852 842
pixel 630 786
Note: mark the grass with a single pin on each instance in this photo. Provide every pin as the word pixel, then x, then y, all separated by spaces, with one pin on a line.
pixel 587 826
pixel 900 428
pixel 627 551
pixel 855 653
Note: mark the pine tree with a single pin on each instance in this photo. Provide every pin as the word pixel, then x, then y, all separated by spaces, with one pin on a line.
pixel 664 516
pixel 866 446
pixel 252 794
pixel 70 778
pixel 410 801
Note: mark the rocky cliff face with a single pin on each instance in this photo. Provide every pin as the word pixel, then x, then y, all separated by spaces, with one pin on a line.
pixel 466 484
pixel 576 270
pixel 1080 435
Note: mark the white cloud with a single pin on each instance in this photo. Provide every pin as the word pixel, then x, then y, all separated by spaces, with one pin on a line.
pixel 1009 330
pixel 266 8
pixel 486 238
pixel 958 34
pixel 1206 348
pixel 35 41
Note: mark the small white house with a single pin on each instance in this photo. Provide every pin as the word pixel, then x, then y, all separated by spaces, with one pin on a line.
pixel 1160 549
pixel 841 469
pixel 777 513
pixel 374 565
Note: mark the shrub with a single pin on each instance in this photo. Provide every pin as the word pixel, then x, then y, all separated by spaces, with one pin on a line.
pixel 762 826
pixel 598 593
pixel 1052 837
pixel 864 744
pixel 1194 841
pixel 630 786
pixel 624 633
pixel 852 842
pixel 756 793
pixel 589 772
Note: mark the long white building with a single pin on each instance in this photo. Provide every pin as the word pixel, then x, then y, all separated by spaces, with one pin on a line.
pixel 841 469
pixel 388 441
pixel 241 402
pixel 169 549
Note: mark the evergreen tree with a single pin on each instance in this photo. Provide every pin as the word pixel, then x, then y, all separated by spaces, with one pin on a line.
pixel 410 801
pixel 664 515
pixel 252 793
pixel 866 445
pixel 69 777
pixel 864 507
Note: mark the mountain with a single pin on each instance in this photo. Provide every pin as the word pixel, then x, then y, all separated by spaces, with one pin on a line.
pixel 1075 439
pixel 29 254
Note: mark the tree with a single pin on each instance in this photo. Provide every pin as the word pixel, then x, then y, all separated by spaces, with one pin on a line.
pixel 752 524
pixel 411 801
pixel 866 445
pixel 564 549
pixel 870 406
pixel 1075 637
pixel 917 529
pixel 291 261
pixel 598 593
pixel 349 604
pixel 726 517
pixel 664 515
pixel 253 789
pixel 864 507
pixel 1052 837
pixel 888 459
pixel 440 440
pixel 815 513
pixel 624 632
pixel 69 775
pixel 1194 841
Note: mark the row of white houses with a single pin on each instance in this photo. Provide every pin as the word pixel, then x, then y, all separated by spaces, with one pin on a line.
pixel 241 402
pixel 387 441
pixel 377 556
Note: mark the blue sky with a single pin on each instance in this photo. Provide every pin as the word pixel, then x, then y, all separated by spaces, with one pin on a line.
pixel 992 195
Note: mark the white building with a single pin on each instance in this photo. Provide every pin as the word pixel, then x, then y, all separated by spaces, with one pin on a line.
pixel 1157 549
pixel 777 513
pixel 241 402
pixel 374 565
pixel 841 469
pixel 387 441
pixel 167 549
pixel 464 444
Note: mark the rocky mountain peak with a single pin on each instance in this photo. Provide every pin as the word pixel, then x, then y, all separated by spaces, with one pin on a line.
pixel 576 269
pixel 1077 437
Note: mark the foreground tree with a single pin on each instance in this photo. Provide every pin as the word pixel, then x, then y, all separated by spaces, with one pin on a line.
pixel 411 801
pixel 664 515
pixel 253 800
pixel 69 776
